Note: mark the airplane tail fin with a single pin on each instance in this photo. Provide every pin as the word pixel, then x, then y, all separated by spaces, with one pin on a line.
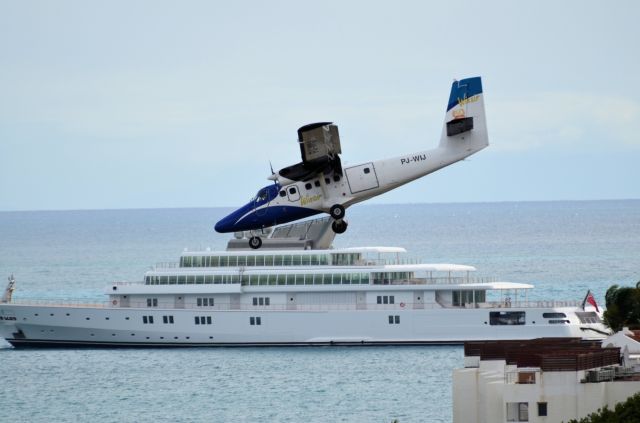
pixel 465 125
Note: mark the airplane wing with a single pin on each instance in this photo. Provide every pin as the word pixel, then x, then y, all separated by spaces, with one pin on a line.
pixel 320 149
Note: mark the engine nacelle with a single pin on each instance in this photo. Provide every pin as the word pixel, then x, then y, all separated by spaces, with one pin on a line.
pixel 281 180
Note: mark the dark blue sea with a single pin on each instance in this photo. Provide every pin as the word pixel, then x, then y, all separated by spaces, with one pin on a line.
pixel 564 248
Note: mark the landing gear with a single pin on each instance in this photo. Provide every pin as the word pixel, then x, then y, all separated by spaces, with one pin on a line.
pixel 337 211
pixel 339 226
pixel 255 242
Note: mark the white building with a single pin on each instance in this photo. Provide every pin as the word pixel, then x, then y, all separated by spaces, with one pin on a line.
pixel 629 343
pixel 544 380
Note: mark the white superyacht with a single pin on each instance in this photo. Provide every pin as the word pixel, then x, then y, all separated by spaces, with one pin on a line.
pixel 296 290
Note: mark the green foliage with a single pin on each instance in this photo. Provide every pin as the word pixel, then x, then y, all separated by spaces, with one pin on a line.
pixel 623 307
pixel 627 411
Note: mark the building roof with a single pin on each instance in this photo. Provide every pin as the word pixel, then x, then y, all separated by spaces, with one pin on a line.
pixel 549 354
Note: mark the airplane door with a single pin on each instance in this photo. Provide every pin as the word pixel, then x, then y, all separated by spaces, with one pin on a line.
pixel 362 178
pixel 293 193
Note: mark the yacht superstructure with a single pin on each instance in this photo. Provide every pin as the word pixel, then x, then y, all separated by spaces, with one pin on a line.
pixel 297 291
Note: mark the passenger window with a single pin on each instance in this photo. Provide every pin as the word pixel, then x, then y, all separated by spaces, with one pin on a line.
pixel 292 190
pixel 316 183
pixel 327 180
pixel 336 178
pixel 282 193
pixel 308 185
pixel 366 170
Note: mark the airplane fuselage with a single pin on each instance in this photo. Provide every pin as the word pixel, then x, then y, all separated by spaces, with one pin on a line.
pixel 320 184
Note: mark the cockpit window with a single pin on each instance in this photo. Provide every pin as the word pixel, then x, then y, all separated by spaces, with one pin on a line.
pixel 261 195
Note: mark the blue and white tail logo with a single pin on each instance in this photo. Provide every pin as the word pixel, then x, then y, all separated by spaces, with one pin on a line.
pixel 465 123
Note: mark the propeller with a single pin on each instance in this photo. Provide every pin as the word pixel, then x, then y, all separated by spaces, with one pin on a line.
pixel 273 175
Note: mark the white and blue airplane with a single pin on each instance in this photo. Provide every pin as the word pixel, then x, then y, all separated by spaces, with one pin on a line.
pixel 319 184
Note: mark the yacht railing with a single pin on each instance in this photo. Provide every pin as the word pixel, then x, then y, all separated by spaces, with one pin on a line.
pixel 398 306
pixel 167 265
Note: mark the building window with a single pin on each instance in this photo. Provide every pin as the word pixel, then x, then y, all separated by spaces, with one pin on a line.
pixel 517 412
pixel 394 320
pixel 152 302
pixel 542 409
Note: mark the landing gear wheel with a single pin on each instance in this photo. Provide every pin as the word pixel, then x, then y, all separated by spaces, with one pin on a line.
pixel 255 242
pixel 339 226
pixel 337 211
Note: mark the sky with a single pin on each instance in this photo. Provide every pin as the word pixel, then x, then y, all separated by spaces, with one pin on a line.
pixel 155 104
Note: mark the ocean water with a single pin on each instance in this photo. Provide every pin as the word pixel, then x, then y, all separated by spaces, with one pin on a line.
pixel 564 248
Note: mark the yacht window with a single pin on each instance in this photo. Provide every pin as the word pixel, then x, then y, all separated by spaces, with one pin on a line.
pixel 385 300
pixel 391 299
pixel 379 299
pixel 553 315
pixel 336 178
pixel 316 183
pixel 252 320
pixel 366 170
pixel 197 320
pixel 208 320
pixel 390 320
pixel 308 186
pixel 262 195
pixel 507 318
pixel 588 317
pixel 261 301
pixel 292 190
pixel 327 180
pixel 258 321
pixel 255 301
pixel 558 321
pixel 397 319
pixel 283 193
pixel 145 320
pixel 152 302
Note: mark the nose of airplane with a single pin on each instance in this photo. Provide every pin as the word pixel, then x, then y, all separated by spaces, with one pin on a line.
pixel 224 225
